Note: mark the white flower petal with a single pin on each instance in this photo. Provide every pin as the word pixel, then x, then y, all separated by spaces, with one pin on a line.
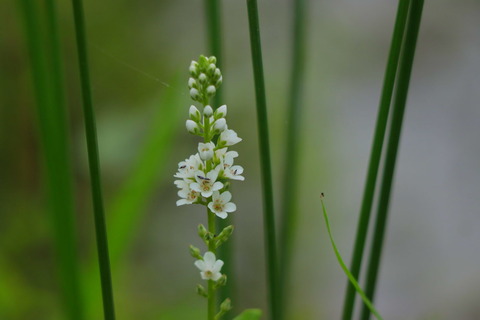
pixel 230 207
pixel 217 186
pixel 226 196
pixel 209 258
pixel 181 202
pixel 195 187
pixel 222 215
pixel 217 266
pixel 200 264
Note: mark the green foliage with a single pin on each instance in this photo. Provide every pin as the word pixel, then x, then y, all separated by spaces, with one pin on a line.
pixel 249 314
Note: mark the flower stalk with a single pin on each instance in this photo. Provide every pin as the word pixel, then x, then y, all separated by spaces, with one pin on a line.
pixel 204 178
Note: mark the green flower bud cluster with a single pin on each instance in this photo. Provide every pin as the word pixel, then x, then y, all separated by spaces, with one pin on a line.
pixel 205 79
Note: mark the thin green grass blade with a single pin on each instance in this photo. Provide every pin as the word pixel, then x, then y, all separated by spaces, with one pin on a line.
pixel 350 276
pixel 289 215
pixel 47 78
pixel 405 69
pixel 127 208
pixel 265 162
pixel 93 161
pixel 376 153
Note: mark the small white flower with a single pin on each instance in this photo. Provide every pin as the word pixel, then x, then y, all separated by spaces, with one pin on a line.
pixel 192 126
pixel 188 196
pixel 220 204
pixel 187 168
pixel 234 173
pixel 206 185
pixel 221 112
pixel 209 267
pixel 205 150
pixel 220 125
pixel 229 137
pixel 222 154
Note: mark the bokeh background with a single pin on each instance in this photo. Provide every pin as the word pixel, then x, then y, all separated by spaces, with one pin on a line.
pixel 140 52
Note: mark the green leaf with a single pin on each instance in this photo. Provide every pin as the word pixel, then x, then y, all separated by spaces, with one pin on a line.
pixel 352 279
pixel 249 314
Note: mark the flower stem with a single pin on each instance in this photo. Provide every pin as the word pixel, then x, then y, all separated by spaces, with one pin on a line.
pixel 93 160
pixel 265 162
pixel 212 299
pixel 375 155
pixel 405 69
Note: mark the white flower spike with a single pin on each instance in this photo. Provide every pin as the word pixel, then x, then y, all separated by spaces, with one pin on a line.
pixel 209 267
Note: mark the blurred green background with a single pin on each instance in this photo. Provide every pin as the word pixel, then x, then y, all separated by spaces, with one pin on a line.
pixel 140 52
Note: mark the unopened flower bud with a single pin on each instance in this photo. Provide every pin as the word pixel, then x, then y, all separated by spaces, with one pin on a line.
pixel 192 126
pixel 212 59
pixel 195 252
pixel 211 69
pixel 226 305
pixel 221 112
pixel 193 69
pixel 207 111
pixel 203 60
pixel 201 291
pixel 202 77
pixel 202 231
pixel 194 113
pixel 220 125
pixel 221 282
pixel 217 74
pixel 211 90
pixel 219 82
pixel 194 94
pixel 192 83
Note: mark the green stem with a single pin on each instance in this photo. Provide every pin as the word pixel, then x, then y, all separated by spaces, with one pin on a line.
pixel 93 160
pixel 405 69
pixel 214 26
pixel 375 155
pixel 52 119
pixel 265 162
pixel 290 176
pixel 212 299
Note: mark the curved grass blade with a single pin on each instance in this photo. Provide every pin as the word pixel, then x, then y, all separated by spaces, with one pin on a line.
pixel 350 277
